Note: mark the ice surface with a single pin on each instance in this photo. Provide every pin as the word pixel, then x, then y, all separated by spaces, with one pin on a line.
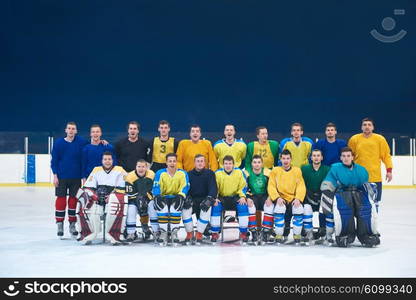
pixel 29 248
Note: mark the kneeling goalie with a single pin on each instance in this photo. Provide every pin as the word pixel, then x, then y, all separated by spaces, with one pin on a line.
pixel 347 200
pixel 102 197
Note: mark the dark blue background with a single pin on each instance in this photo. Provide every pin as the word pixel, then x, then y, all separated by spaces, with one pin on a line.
pixel 206 61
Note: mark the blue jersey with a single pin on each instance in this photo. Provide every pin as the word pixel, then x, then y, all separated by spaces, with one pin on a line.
pixel 340 175
pixel 330 151
pixel 92 157
pixel 66 158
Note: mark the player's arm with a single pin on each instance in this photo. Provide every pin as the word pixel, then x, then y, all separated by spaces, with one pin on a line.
pixel 300 192
pixel 179 154
pixel 175 145
pixel 249 155
pixel 242 186
pixel 84 163
pixel 213 163
pixel 212 186
pixel 156 184
pixel 272 187
pixel 352 144
pixel 184 186
pixel 386 157
pixel 120 183
pixel 274 147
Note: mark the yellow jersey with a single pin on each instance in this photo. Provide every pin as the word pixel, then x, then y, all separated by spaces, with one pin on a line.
pixel 237 150
pixel 231 184
pixel 370 152
pixel 167 185
pixel 187 151
pixel 288 185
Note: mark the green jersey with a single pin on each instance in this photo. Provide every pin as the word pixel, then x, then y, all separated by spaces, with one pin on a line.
pixel 257 183
pixel 312 178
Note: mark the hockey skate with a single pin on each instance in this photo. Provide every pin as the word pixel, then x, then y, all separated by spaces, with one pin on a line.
pixel 279 239
pixel 72 230
pixel 254 237
pixel 243 238
pixel 189 239
pixel 308 239
pixel 214 238
pixel 329 241
pixel 174 237
pixel 266 237
pixel 297 238
pixel 163 239
pixel 60 230
pixel 131 237
pixel 198 238
pixel 370 241
pixel 146 233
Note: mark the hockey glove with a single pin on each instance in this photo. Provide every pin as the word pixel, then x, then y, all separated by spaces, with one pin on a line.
pixel 207 203
pixel 187 203
pixel 178 202
pixel 159 202
pixel 142 204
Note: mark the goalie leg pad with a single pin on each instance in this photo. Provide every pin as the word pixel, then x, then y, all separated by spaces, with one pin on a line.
pixel 116 210
pixel 344 218
pixel 88 214
pixel 365 212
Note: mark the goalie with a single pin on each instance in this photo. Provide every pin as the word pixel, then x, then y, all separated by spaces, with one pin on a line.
pixel 102 196
pixel 348 203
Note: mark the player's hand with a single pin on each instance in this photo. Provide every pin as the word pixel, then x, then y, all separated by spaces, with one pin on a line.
pixel 55 180
pixel 280 201
pixel 389 176
pixel 216 202
pixel 242 201
pixel 268 202
pixel 104 142
pixel 296 203
pixel 250 202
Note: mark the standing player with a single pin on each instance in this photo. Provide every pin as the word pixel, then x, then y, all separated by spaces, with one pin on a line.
pixel 230 146
pixel 257 180
pixel 330 146
pixel 187 150
pixel 162 145
pixel 66 168
pixel 232 189
pixel 170 188
pixel 300 147
pixel 370 149
pixel 286 190
pixel 103 195
pixel 132 148
pixel 202 194
pixel 267 149
pixel 313 175
pixel 92 154
pixel 347 196
pixel 139 184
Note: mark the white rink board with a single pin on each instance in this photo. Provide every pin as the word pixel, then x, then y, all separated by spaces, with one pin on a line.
pixel 29 248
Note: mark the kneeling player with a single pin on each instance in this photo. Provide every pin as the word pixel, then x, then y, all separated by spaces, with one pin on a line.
pixel 232 188
pixel 102 196
pixel 202 193
pixel 348 198
pixel 257 179
pixel 170 188
pixel 287 190
pixel 313 175
pixel 139 184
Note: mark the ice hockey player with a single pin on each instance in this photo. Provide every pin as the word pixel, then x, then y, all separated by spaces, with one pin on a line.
pixel 139 184
pixel 103 196
pixel 170 188
pixel 286 190
pixel 230 146
pixel 257 180
pixel 348 198
pixel 202 194
pixel 162 145
pixel 232 189
pixel 267 149
pixel 313 175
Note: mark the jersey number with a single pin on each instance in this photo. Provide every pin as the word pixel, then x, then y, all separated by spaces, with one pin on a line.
pixel 162 148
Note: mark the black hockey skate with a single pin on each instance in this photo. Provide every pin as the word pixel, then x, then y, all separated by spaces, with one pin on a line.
pixel 132 237
pixel 72 230
pixel 60 230
pixel 254 237
pixel 162 240
pixel 174 237
pixel 370 241
pixel 243 238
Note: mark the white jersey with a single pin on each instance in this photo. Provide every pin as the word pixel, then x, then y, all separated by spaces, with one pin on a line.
pixel 110 178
